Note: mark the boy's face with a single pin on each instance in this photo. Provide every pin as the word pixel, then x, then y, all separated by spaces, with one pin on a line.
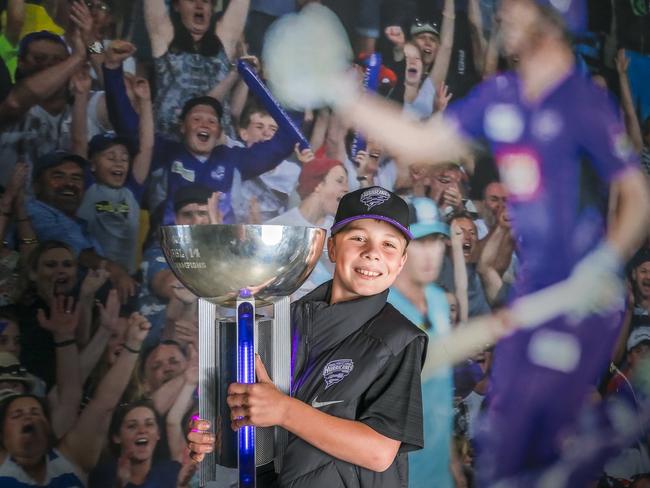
pixel 201 130
pixel 425 259
pixel 368 255
pixel 261 127
pixel 111 166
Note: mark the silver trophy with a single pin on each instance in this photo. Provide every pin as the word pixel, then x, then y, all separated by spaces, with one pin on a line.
pixel 243 275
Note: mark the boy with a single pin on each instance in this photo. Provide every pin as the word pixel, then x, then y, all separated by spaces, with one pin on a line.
pixel 356 407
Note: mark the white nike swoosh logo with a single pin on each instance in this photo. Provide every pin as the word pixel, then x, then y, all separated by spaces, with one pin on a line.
pixel 317 404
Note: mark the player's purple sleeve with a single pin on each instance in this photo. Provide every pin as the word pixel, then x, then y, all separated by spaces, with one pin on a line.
pixel 264 156
pixel 603 137
pixel 124 118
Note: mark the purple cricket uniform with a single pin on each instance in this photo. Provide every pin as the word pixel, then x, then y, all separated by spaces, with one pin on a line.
pixel 543 151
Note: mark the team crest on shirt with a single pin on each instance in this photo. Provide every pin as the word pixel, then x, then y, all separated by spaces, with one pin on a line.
pixel 546 125
pixel 373 197
pixel 520 171
pixel 186 174
pixel 335 371
pixel 218 173
pixel 503 122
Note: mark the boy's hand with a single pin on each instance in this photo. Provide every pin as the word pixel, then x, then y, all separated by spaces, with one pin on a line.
pixel 260 404
pixel 304 155
pixel 142 90
pixel 116 52
pixel 199 439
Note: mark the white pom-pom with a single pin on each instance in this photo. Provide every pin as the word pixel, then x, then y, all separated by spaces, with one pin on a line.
pixel 306 56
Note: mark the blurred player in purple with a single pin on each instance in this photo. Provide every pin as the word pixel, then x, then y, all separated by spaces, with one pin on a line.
pixel 559 144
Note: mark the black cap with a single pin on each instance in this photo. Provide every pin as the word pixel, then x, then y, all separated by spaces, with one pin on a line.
pixel 373 203
pixel 56 158
pixel 421 26
pixel 191 194
pixel 202 100
pixel 101 142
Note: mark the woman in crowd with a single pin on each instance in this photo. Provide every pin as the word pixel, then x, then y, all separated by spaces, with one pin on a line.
pixel 134 437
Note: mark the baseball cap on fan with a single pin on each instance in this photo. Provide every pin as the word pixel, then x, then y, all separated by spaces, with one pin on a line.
pixel 375 203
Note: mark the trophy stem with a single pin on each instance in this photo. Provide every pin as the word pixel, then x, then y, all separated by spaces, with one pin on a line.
pixel 246 374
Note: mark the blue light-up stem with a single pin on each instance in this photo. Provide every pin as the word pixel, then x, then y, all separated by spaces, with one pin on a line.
pixel 265 97
pixel 370 83
pixel 246 374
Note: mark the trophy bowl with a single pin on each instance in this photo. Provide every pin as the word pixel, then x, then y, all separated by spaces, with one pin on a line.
pixel 219 262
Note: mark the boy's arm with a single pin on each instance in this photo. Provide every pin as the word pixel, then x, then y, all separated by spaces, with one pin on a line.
pixel 262 404
pixel 121 113
pixel 142 160
pixel 263 156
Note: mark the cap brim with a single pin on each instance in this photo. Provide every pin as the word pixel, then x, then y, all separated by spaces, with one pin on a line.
pixel 339 225
pixel 420 230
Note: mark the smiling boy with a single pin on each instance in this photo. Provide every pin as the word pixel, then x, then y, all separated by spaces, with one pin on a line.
pixel 355 408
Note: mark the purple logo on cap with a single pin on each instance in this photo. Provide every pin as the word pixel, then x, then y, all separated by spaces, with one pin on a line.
pixel 373 197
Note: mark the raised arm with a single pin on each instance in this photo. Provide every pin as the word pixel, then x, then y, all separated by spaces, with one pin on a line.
pixel 80 84
pixel 440 68
pixel 83 443
pixel 142 160
pixel 230 27
pixel 460 271
pixel 123 117
pixel 629 113
pixel 159 26
pixel 62 322
pixel 182 404
pixel 348 440
pixel 479 43
pixel 15 20
pixel 409 141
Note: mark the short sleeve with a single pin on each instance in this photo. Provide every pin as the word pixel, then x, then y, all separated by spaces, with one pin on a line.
pixel 467 113
pixel 392 405
pixel 604 139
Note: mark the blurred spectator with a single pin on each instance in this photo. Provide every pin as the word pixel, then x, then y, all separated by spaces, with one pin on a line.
pixel 193 52
pixel 12 210
pixel 496 259
pixel 9 333
pixel 10 35
pixel 415 295
pixel 641 286
pixel 478 304
pixel 494 200
pixel 14 379
pixel 271 190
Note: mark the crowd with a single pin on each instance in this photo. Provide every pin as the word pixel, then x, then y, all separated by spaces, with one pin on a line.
pixel 117 117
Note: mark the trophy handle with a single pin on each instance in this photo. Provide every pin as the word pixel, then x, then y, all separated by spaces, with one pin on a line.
pixel 207 380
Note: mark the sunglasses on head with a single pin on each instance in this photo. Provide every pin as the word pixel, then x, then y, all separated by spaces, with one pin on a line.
pixel 13 370
pixel 421 23
pixel 98 6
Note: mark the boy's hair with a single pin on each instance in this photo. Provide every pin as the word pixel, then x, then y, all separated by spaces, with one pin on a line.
pixel 251 107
